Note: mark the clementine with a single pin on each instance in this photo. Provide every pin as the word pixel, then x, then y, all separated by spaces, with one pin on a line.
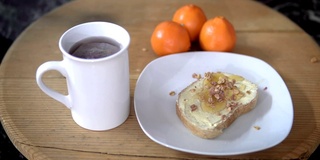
pixel 217 34
pixel 170 37
pixel 192 17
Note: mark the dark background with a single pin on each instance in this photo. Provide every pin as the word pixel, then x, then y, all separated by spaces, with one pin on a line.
pixel 16 15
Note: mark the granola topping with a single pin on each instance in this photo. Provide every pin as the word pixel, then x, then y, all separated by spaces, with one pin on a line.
pixel 218 90
pixel 196 76
pixel 193 107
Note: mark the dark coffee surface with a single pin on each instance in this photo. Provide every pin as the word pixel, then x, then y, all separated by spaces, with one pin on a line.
pixel 96 47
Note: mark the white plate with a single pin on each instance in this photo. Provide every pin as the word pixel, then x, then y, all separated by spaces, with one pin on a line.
pixel 155 108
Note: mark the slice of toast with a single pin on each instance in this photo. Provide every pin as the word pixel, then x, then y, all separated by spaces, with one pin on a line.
pixel 213 102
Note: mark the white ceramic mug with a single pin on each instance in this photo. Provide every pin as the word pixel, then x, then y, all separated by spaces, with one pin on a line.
pixel 98 89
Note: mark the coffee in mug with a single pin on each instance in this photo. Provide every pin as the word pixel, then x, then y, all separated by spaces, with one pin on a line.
pixel 96 66
pixel 94 47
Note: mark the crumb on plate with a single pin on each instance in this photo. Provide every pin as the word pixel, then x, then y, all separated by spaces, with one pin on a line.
pixel 172 93
pixel 257 127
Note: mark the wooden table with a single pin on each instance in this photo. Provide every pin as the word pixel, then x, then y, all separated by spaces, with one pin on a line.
pixel 42 128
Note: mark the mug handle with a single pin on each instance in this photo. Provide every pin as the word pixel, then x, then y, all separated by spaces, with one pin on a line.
pixel 58 66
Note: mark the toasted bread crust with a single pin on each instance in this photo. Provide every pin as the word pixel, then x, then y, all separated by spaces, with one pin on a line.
pixel 195 129
pixel 216 129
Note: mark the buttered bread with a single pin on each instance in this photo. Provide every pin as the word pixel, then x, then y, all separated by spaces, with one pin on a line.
pixel 214 101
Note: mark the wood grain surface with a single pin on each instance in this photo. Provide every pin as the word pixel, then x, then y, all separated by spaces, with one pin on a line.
pixel 42 128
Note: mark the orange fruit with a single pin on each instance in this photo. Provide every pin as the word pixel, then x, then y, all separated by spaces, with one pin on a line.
pixel 170 37
pixel 192 17
pixel 217 34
